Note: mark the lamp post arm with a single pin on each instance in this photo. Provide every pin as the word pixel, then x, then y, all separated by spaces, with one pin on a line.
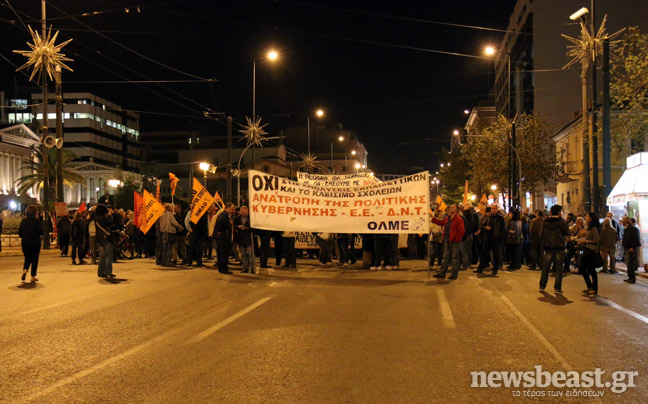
pixel 238 168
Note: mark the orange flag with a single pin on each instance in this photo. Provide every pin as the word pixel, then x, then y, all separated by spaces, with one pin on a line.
pixel 138 207
pixel 218 199
pixel 174 181
pixel 481 206
pixel 82 208
pixel 157 191
pixel 152 211
pixel 440 204
pixel 465 199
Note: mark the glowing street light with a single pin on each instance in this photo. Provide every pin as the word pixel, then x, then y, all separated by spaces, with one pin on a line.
pixel 341 138
pixel 115 183
pixel 206 167
pixel 494 187
pixel 353 152
pixel 489 51
pixel 466 111
pixel 455 132
pixel 319 113
pixel 272 56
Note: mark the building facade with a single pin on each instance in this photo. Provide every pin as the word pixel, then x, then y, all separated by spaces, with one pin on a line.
pixel 105 137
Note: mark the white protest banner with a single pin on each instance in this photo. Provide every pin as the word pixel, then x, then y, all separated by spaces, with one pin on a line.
pixel 398 206
pixel 306 241
pixel 337 180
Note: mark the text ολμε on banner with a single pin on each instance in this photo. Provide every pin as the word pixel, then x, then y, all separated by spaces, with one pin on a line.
pixel 397 206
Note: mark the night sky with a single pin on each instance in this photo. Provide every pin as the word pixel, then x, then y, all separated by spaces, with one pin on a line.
pixel 371 65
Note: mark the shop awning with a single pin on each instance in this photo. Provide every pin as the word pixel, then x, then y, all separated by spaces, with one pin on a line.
pixel 633 184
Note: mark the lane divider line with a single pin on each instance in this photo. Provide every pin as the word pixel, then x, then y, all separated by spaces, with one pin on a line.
pixel 622 309
pixel 544 341
pixel 228 320
pixel 136 349
pixel 448 319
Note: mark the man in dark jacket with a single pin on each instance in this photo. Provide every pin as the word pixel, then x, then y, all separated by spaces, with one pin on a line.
pixel 535 240
pixel 467 239
pixel 631 242
pixel 453 231
pixel 493 230
pixel 554 236
pixel 63 228
pixel 197 237
pixel 223 236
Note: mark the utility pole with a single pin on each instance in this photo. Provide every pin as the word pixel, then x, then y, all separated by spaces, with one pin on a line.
pixel 607 164
pixel 228 192
pixel 595 167
pixel 44 132
pixel 59 136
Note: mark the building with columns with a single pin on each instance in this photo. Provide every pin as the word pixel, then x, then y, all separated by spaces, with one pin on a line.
pixel 16 144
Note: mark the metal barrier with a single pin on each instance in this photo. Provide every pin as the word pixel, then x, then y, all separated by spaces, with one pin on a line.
pixel 9 237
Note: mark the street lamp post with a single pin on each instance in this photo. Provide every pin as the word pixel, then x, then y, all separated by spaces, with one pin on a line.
pixel 272 56
pixel 319 113
pixel 490 51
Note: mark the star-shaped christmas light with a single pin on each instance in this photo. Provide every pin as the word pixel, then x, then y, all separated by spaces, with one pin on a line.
pixel 44 54
pixel 588 46
pixel 308 161
pixel 253 132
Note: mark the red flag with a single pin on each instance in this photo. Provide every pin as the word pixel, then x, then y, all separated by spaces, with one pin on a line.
pixel 157 191
pixel 174 181
pixel 82 208
pixel 138 206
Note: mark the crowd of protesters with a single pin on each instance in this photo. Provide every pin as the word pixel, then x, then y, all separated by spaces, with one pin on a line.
pixel 460 238
pixel 463 237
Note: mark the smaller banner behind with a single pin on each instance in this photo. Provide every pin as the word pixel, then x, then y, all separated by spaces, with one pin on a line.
pixel 337 181
pixel 61 209
pixel 398 206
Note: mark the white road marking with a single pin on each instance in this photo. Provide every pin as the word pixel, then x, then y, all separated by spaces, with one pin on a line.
pixel 93 369
pixel 448 319
pixel 536 333
pixel 228 320
pixel 626 311
pixel 134 350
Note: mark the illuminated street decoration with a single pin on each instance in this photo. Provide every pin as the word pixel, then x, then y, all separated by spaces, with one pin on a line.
pixel 308 161
pixel 253 132
pixel 44 54
pixel 588 46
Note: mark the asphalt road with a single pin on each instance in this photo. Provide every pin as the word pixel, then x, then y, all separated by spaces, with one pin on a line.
pixel 316 335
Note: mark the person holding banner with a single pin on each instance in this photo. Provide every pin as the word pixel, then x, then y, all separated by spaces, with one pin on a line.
pixel 197 238
pixel 289 249
pixel 244 240
pixel 453 231
pixel 168 228
pixel 322 240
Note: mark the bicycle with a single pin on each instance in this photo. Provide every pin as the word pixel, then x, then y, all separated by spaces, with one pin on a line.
pixel 127 248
